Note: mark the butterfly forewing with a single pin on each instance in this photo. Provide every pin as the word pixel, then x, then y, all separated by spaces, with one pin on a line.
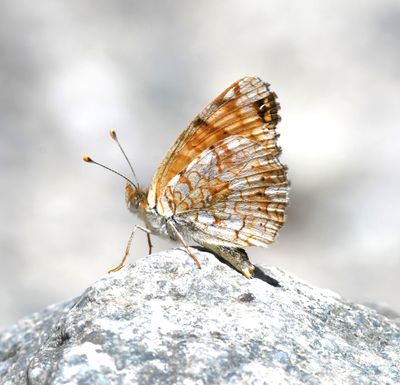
pixel 222 181
pixel 247 108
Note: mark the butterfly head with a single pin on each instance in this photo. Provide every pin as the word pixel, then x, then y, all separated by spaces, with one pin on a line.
pixel 134 196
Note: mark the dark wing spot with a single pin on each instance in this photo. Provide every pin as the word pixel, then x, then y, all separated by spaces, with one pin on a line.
pixel 199 122
pixel 259 104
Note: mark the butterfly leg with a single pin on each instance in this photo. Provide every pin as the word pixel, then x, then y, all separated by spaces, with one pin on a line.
pixel 235 256
pixel 149 242
pixel 128 247
pixel 185 245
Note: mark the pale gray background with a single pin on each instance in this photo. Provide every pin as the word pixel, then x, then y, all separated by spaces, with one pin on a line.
pixel 70 70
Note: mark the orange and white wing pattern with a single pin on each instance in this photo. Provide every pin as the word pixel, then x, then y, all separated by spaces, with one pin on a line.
pixel 235 190
pixel 233 194
pixel 247 108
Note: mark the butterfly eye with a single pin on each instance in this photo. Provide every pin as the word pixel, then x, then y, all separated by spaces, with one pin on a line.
pixel 132 197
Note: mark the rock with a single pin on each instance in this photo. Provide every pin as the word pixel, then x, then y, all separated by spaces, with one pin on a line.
pixel 385 310
pixel 163 321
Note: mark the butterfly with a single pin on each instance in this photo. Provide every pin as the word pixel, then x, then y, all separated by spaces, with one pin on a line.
pixel 221 184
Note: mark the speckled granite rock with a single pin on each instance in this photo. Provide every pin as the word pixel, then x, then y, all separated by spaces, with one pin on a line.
pixel 162 321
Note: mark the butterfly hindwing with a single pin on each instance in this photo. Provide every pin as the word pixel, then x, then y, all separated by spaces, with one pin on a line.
pixel 232 194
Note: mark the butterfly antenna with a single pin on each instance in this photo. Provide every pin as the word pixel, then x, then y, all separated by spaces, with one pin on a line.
pixel 88 159
pixel 113 135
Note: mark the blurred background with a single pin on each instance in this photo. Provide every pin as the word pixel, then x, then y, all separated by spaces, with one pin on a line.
pixel 71 70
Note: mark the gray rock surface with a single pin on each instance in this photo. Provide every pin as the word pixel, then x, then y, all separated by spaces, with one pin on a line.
pixel 163 321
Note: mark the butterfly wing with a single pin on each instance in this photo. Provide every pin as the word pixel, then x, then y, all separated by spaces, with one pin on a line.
pixel 232 194
pixel 231 189
pixel 247 108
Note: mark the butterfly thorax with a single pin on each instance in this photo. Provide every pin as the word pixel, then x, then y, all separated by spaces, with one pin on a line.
pixel 136 200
